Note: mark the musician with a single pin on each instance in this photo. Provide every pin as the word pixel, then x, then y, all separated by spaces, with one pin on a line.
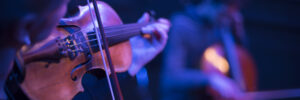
pixel 26 22
pixel 192 32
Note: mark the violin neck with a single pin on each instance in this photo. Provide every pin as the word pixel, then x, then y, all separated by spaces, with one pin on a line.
pixel 121 33
pixel 117 34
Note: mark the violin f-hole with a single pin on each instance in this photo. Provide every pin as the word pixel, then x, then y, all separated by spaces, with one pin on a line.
pixel 83 67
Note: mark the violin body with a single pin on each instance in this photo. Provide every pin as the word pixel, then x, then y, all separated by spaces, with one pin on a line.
pixel 53 75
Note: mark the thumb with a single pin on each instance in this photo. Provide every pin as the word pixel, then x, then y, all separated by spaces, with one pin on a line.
pixel 144 18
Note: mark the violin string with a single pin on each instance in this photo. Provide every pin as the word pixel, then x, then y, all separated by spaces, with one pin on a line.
pixel 117 30
pixel 81 50
pixel 120 30
pixel 120 27
pixel 110 36
pixel 91 40
pixel 90 46
pixel 102 54
pixel 124 26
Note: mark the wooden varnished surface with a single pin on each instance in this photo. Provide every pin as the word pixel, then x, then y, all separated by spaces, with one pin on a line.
pixel 53 81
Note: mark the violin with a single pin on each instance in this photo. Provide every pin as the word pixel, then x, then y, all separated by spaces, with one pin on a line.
pixel 55 67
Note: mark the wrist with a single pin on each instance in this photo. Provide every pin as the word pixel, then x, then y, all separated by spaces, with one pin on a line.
pixel 137 63
pixel 133 69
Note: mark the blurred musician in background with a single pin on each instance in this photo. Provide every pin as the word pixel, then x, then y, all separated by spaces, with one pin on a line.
pixel 193 31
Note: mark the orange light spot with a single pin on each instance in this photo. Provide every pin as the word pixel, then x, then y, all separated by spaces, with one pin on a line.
pixel 219 62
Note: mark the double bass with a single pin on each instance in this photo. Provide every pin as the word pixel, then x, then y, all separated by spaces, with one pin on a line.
pixel 54 67
pixel 228 57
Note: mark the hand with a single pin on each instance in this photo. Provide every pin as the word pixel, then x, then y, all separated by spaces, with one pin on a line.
pixel 144 50
pixel 225 88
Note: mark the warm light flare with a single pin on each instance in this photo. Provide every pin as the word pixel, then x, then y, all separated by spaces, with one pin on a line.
pixel 219 62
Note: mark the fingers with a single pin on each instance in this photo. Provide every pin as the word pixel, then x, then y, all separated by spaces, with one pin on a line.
pixel 149 29
pixel 164 27
pixel 161 33
pixel 144 18
pixel 159 30
pixel 164 21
